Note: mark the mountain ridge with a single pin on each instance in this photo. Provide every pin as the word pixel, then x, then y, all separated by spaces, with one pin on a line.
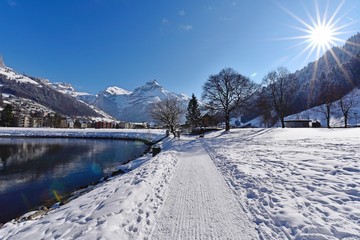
pixel 35 89
pixel 338 64
pixel 133 106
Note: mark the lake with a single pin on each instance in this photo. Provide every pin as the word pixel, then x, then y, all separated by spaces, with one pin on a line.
pixel 34 170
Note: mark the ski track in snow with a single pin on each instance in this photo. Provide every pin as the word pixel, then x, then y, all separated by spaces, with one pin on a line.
pixel 199 204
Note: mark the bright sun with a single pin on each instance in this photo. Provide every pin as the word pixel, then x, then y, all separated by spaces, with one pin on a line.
pixel 322 36
pixel 321 32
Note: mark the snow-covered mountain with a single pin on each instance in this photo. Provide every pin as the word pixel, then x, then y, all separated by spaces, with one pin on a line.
pixel 63 98
pixel 122 104
pixel 41 91
pixel 133 106
pixel 67 88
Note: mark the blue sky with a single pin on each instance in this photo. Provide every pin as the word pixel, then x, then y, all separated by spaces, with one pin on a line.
pixel 93 44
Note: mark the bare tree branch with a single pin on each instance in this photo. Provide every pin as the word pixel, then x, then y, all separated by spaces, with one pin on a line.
pixel 167 112
pixel 347 103
pixel 281 85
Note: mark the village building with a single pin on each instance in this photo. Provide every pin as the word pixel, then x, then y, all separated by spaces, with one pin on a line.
pixel 299 123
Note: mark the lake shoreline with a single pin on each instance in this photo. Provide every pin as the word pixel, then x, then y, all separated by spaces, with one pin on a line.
pixel 128 135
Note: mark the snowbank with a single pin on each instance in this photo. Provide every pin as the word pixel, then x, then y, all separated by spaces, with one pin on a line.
pixel 122 208
pixel 147 135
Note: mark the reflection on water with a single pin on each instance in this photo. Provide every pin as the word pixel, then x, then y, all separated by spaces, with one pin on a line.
pixel 35 169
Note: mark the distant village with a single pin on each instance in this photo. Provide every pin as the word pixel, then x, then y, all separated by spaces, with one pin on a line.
pixel 17 112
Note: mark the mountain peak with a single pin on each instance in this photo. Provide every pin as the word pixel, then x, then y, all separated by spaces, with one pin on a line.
pixel 152 83
pixel 114 90
pixel 151 86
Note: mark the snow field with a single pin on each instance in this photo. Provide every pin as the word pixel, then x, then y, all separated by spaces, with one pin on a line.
pixel 11 75
pixel 294 183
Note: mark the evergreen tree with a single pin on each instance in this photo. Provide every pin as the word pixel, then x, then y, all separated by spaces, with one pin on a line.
pixel 56 123
pixel 1 100
pixel 193 115
pixel 7 117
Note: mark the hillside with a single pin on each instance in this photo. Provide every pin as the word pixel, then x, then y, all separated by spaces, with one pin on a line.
pixel 339 65
pixel 34 89
pixel 331 77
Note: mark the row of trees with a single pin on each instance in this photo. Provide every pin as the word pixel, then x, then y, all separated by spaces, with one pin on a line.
pixel 7 117
pixel 224 92
pixel 330 93
pixel 229 92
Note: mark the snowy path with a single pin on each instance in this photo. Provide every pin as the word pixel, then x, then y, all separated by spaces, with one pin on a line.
pixel 199 204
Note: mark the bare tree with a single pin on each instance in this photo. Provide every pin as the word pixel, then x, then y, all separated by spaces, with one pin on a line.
pixel 282 86
pixel 326 97
pixel 264 108
pixel 347 103
pixel 228 91
pixel 168 112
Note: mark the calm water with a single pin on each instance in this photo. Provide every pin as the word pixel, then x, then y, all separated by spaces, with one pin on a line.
pixel 35 170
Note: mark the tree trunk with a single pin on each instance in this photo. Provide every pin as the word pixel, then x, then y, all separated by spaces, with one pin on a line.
pixel 328 116
pixel 282 122
pixel 172 130
pixel 346 121
pixel 227 122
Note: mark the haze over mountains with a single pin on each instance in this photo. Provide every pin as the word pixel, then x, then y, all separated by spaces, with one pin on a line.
pixel 340 65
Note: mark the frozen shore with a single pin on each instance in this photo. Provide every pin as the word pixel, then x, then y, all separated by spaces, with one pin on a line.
pixel 146 135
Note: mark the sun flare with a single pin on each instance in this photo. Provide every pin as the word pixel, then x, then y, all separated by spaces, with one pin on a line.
pixel 321 32
pixel 322 36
